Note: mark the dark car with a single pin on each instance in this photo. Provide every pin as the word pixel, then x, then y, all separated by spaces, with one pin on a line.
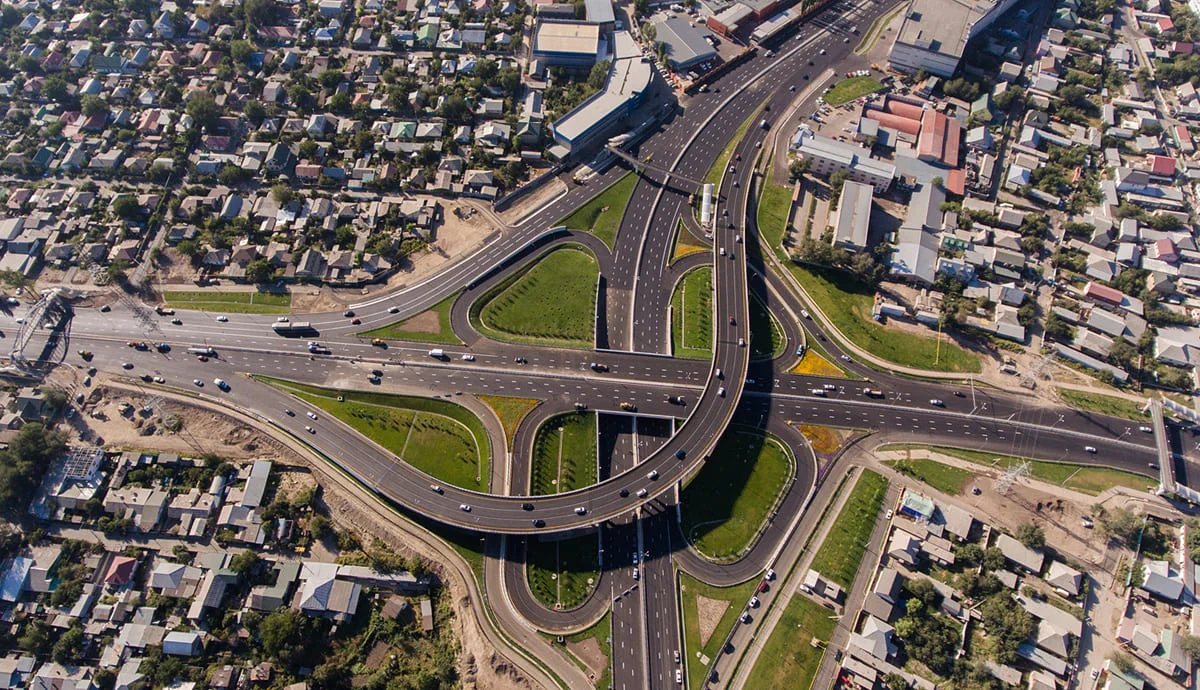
pixel 624 493
pixel 539 523
pixel 526 506
pixel 681 454
pixel 348 313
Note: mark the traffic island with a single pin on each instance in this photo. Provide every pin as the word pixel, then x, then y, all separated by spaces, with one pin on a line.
pixel 553 302
pixel 727 503
pixel 440 438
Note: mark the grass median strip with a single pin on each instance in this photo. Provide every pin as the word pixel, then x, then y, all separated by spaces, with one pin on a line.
pixel 766 334
pixel 564 454
pixel 686 243
pixel 602 215
pixel 708 614
pixel 848 303
pixel 440 438
pixel 713 176
pixel 553 302
pixel 727 502
pixel 1086 479
pixel 692 315
pixel 430 326
pixel 510 411
pixel 793 652
pixel 943 477
pixel 1105 404
pixel 563 572
pixel 774 207
pixel 842 551
pixel 230 302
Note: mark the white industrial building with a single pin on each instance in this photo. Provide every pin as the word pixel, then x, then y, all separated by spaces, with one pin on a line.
pixel 935 33
pixel 828 156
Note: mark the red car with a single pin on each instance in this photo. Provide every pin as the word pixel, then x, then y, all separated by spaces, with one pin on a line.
pixel 356 321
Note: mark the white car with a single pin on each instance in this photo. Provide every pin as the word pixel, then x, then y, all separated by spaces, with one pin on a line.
pixel 652 475
pixel 468 358
pixel 641 493
pixel 393 310
pixel 198 382
pixel 1090 449
pixel 721 391
pixel 310 430
pixel 581 511
pixel 937 402
pixel 311 415
pixel 1146 429
pixel 464 508
pixel 222 319
pixel 678 675
pixel 159 379
pixel 282 319
pixel 753 602
pixel 741 342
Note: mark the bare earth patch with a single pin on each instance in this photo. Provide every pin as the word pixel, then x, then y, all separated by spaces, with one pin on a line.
pixel 588 651
pixel 710 612
pixel 425 322
pixel 533 201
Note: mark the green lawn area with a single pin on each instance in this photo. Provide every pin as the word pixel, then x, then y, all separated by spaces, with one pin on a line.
pixel 848 304
pixel 422 327
pixel 553 303
pixel 1104 404
pixel 563 571
pixel 774 206
pixel 766 334
pixel 510 411
pixel 713 176
pixel 943 477
pixel 692 315
pixel 564 454
pixel 601 632
pixel 602 215
pixel 726 503
pixel 689 590
pixel 849 89
pixel 230 302
pixel 789 659
pixel 438 437
pixel 842 551
pixel 1083 478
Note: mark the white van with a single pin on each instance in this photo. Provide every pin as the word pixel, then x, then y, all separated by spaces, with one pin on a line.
pixel 437 353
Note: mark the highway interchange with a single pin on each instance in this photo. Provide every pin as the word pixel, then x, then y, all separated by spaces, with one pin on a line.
pixel 633 336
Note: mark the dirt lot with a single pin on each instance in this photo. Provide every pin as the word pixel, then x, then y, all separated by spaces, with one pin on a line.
pixel 709 614
pixel 207 431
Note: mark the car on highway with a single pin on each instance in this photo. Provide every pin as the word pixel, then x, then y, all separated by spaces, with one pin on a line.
pixel 628 407
pixel 677 656
pixel 753 602
pixel 1095 673
pixel 538 522
pixel 282 319
pixel 393 310
pixel 680 454
pixel 641 493
pixel 468 358
pixel 722 251
pixel 526 506
pixel 198 382
pixel 1090 449
pixel 86 355
pixel 311 415
pixel 220 383
pixel 1153 465
pixel 310 430
pixel 676 399
pixel 159 379
pixel 721 391
pixel 745 617
pixel 937 402
pixel 596 366
pixel 105 308
pixel 652 475
pixel 464 507
pixel 819 391
pixel 741 342
pixel 1145 429
pixel 222 319
pixel 829 387
pixel 635 558
pixel 581 511
pixel 349 313
pixel 636 575
pixel 678 676
pixel 719 374
pixel 436 489
pixel 355 321
pixel 176 322
pixel 289 413
pixel 126 365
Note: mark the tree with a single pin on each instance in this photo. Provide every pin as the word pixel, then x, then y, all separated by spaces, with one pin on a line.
pixel 282 193
pixel 993 559
pixel 320 527
pixel 1123 661
pixel 330 78
pixel 895 681
pixel 797 168
pixel 598 75
pixel 284 636
pixel 36 638
pixel 969 555
pixel 241 51
pixel 1009 625
pixel 69 646
pixel 936 182
pixel 1122 525
pixel 260 271
pixel 105 679
pixel 92 105
pixel 455 109
pixel 54 88
pixel 1031 535
pixel 1190 644
pixel 244 562
pixel 260 12
pixel 254 111
pixel 962 89
pixel 204 111
pixel 188 248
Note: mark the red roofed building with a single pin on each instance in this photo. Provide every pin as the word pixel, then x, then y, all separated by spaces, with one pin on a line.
pixel 896 122
pixel 1182 48
pixel 1164 250
pixel 939 139
pixel 1165 24
pixel 120 571
pixel 1162 166
pixel 1103 293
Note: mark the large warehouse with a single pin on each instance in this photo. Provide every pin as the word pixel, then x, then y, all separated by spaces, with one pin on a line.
pixel 935 33
pixel 567 44
pixel 628 80
pixel 685 44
